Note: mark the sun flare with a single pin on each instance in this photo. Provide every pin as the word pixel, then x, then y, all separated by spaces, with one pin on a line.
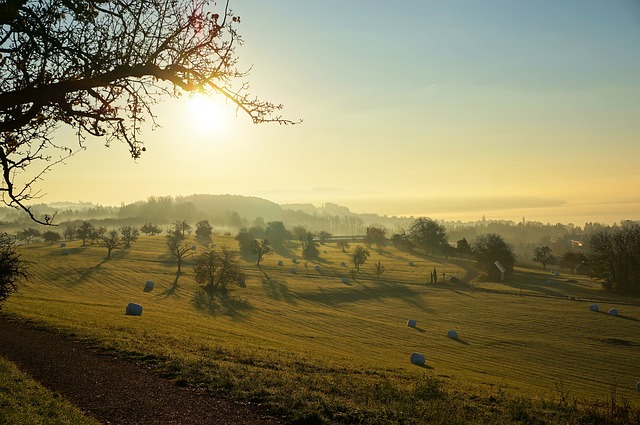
pixel 205 115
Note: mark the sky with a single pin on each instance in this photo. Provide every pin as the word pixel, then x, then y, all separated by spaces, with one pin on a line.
pixel 446 109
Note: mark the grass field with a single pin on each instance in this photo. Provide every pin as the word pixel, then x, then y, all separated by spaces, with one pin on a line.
pixel 316 347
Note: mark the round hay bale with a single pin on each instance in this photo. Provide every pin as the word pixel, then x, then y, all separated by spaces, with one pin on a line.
pixel 594 307
pixel 613 312
pixel 67 251
pixel 411 264
pixel 133 309
pixel 411 323
pixel 549 282
pixel 280 263
pixel 294 260
pixel 242 283
pixel 148 287
pixel 345 280
pixel 193 247
pixel 317 268
pixel 293 270
pixel 638 386
pixel 417 359
pixel 452 333
pixel 63 244
pixel 343 264
pixel 556 273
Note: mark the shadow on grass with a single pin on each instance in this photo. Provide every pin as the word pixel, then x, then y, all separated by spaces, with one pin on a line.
pixel 224 303
pixel 86 273
pixel 633 319
pixel 460 341
pixel 276 289
pixel 361 291
pixel 421 330
pixel 174 286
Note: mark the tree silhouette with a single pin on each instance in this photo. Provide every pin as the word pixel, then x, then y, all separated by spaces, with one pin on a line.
pixel 100 67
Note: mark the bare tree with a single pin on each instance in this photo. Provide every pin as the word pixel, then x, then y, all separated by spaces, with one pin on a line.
pixel 110 240
pixel 129 234
pixel 178 249
pixel 100 67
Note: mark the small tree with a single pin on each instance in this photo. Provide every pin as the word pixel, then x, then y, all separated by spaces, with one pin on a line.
pixel 204 231
pixel 51 236
pixel 359 257
pixel 342 244
pixel 151 229
pixel 182 227
pixel 310 247
pixel 217 270
pixel 376 236
pixel 129 234
pixel 378 269
pixel 85 232
pixel 12 268
pixel 178 248
pixel 27 235
pixel 110 240
pixel 570 260
pixel 69 231
pixel 260 249
pixel 428 234
pixel 490 248
pixel 463 248
pixel 544 256
pixel 246 241
pixel 323 236
pixel 300 233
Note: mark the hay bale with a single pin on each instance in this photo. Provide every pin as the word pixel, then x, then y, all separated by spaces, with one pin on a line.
pixel 148 287
pixel 594 307
pixel 242 283
pixel 638 386
pixel 556 273
pixel 280 263
pixel 411 323
pixel 293 270
pixel 294 260
pixel 66 251
pixel 345 280
pixel 317 268
pixel 193 247
pixel 549 282
pixel 452 334
pixel 417 359
pixel 613 312
pixel 63 244
pixel 343 264
pixel 133 309
pixel 411 263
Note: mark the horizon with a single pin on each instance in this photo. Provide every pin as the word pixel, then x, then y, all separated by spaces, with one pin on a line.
pixel 515 209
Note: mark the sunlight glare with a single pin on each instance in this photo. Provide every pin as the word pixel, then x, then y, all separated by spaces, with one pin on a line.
pixel 206 115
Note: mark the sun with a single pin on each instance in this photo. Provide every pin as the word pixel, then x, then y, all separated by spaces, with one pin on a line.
pixel 205 115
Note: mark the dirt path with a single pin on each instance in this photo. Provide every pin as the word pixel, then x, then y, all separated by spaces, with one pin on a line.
pixel 112 390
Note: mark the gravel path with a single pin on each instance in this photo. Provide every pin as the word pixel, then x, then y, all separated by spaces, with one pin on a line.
pixel 113 390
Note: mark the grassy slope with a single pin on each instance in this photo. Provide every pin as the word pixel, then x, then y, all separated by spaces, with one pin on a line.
pixel 316 335
pixel 24 401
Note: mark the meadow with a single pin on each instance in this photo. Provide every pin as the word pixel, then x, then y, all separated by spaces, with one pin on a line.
pixel 318 348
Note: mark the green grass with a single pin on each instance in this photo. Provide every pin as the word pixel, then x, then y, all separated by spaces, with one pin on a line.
pixel 24 401
pixel 314 347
